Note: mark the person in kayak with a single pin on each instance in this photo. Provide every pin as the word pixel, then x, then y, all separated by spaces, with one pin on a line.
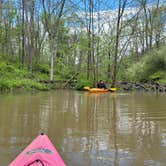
pixel 101 85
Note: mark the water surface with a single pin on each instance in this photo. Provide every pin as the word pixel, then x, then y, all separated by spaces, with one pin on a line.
pixel 122 129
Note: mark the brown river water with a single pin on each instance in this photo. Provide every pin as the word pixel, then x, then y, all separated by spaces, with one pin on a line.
pixel 122 129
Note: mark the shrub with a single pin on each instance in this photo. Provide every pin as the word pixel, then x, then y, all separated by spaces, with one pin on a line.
pixel 151 67
pixel 81 83
pixel 41 68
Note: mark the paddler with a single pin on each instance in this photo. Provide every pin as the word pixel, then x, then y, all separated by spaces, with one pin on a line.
pixel 101 85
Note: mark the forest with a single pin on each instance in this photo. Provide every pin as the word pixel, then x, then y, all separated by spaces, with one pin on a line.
pixel 75 43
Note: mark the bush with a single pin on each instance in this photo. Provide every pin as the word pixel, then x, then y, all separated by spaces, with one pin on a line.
pixel 41 68
pixel 5 84
pixel 25 83
pixel 135 72
pixel 151 67
pixel 81 83
pixel 30 84
pixel 157 76
pixel 11 71
pixel 11 77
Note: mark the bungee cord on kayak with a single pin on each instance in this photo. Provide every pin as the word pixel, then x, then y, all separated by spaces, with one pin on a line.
pixel 36 161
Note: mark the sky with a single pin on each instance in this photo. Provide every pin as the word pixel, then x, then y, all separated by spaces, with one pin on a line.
pixel 111 4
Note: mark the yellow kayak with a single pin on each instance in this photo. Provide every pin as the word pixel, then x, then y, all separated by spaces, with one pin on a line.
pixel 96 90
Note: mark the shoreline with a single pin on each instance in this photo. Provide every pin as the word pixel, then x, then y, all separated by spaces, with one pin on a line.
pixel 147 87
pixel 121 86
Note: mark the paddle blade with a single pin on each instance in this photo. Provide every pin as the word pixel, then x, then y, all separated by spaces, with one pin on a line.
pixel 86 87
pixel 112 89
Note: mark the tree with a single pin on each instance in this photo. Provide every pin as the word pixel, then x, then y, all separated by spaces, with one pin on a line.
pixel 121 8
pixel 52 15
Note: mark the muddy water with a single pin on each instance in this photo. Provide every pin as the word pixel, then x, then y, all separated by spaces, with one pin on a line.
pixel 123 129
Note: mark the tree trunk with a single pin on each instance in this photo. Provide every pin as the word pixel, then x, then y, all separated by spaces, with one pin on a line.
pixel 1 3
pixel 109 65
pixel 23 34
pixel 31 35
pixel 121 9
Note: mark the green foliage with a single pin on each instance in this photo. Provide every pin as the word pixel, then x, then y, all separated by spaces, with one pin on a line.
pixel 12 77
pixel 63 69
pixel 5 84
pixel 158 75
pixel 150 67
pixel 42 68
pixel 41 76
pixel 83 82
pixel 25 83
pixel 5 67
pixel 10 71
pixel 135 72
pixel 74 42
pixel 31 84
pixel 83 42
pixel 162 81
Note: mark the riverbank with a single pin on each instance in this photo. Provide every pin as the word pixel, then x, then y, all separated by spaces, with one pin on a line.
pixel 130 86
pixel 14 78
pixel 44 85
pixel 136 86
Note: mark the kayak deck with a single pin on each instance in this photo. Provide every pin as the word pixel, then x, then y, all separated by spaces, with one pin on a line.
pixel 40 152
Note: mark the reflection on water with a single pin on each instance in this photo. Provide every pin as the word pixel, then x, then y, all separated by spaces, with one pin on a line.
pixel 87 129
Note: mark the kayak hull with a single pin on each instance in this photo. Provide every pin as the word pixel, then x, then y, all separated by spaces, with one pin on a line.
pixel 40 152
pixel 97 90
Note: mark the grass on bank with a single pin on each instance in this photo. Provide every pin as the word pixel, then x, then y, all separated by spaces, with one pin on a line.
pixel 11 77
